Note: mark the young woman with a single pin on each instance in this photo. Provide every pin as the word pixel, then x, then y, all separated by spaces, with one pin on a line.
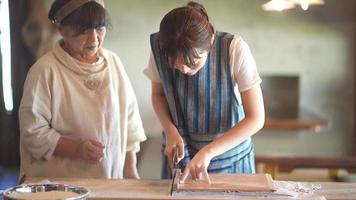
pixel 206 93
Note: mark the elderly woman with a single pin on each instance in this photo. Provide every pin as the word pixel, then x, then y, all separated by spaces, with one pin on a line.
pixel 79 115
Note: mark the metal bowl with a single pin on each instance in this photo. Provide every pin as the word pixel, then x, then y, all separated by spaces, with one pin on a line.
pixel 20 192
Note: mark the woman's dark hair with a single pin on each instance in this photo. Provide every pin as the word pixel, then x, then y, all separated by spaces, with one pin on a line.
pixel 183 31
pixel 88 16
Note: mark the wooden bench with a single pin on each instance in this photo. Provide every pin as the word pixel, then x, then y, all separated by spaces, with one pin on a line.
pixel 273 164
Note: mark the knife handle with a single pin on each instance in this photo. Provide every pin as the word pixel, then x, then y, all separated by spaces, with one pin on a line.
pixel 175 157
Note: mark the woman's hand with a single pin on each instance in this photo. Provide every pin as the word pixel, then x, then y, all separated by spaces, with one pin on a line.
pixel 198 167
pixel 174 141
pixel 90 151
pixel 130 172
pixel 130 169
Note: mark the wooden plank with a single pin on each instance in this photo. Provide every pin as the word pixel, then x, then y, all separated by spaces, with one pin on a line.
pixel 230 183
pixel 313 125
pixel 345 162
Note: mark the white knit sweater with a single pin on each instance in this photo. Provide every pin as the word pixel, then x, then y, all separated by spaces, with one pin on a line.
pixel 65 97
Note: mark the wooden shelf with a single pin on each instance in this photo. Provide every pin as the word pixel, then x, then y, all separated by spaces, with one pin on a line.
pixel 274 164
pixel 313 125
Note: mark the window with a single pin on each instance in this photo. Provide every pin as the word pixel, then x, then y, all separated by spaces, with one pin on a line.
pixel 6 55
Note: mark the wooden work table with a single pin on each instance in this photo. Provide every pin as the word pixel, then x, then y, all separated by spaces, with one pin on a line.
pixel 159 190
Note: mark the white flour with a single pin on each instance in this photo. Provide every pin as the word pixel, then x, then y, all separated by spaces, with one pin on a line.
pixel 44 195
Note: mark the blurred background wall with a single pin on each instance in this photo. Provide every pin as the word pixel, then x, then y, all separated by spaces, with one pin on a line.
pixel 317 45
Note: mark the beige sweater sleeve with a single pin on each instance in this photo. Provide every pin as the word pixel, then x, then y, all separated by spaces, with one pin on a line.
pixel 37 136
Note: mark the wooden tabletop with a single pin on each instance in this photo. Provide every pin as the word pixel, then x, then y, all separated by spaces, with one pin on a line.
pixel 159 189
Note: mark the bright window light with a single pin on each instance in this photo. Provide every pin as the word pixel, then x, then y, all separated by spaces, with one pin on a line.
pixel 6 54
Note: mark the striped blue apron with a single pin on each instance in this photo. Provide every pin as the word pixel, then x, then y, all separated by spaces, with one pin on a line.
pixel 204 106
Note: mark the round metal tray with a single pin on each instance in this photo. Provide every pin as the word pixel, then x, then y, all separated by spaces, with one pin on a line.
pixel 10 194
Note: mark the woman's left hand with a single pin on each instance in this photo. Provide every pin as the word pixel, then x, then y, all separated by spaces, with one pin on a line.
pixel 198 167
pixel 130 172
pixel 130 169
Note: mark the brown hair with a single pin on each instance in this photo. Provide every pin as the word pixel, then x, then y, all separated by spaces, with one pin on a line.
pixel 88 16
pixel 184 30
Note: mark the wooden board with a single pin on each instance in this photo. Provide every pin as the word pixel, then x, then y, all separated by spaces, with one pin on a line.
pixel 230 183
pixel 104 189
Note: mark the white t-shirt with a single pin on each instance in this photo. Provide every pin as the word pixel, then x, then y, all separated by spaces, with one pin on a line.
pixel 243 66
pixel 65 97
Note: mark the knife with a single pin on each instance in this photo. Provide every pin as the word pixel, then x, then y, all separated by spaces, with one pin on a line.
pixel 176 172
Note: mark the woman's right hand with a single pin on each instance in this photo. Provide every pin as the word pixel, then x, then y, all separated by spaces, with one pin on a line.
pixel 174 141
pixel 91 151
pixel 173 138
